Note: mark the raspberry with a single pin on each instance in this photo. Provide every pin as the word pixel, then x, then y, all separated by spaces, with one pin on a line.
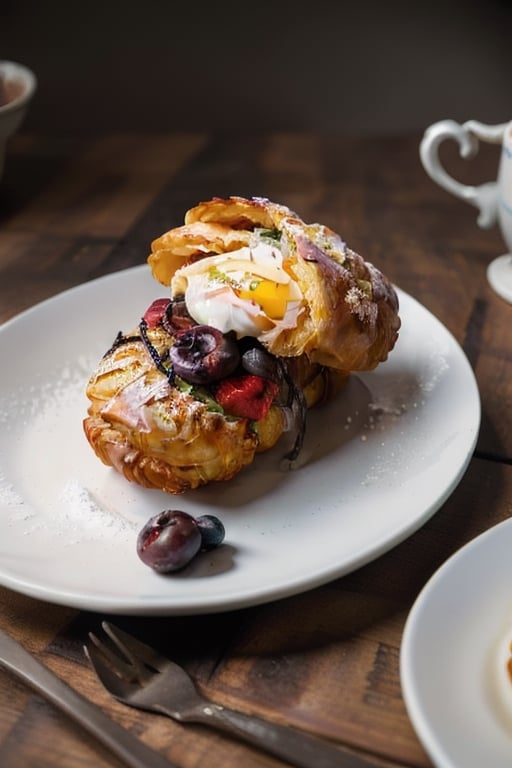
pixel 249 397
pixel 155 311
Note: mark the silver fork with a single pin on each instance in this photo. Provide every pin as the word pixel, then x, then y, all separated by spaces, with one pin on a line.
pixel 15 659
pixel 140 677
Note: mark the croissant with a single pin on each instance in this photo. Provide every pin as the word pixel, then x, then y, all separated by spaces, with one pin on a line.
pixel 176 436
pixel 266 318
pixel 346 311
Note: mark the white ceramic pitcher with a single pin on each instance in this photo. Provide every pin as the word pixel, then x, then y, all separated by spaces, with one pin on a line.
pixel 493 200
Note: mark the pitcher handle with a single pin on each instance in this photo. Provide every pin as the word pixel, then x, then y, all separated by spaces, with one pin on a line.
pixel 484 196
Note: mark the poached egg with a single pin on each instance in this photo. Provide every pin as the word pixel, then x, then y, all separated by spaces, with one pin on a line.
pixel 247 291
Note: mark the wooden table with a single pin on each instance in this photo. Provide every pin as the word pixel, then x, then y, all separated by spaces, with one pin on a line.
pixel 326 661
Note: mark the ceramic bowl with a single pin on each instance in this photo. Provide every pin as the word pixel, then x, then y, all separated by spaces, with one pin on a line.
pixel 17 87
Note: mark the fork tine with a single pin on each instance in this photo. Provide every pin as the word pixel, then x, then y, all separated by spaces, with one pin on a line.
pixel 134 649
pixel 118 687
pixel 137 667
pixel 120 665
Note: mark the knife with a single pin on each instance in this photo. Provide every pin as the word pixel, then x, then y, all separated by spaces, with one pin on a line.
pixel 14 658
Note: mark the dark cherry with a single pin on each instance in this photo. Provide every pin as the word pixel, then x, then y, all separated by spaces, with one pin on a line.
pixel 176 317
pixel 203 354
pixel 169 541
pixel 154 313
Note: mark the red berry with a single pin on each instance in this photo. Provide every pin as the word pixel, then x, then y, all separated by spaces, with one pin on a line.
pixel 155 311
pixel 248 397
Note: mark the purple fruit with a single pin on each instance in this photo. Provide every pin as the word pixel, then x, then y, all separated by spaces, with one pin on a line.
pixel 202 354
pixel 169 541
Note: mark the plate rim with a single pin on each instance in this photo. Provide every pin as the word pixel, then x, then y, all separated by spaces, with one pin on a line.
pixel 425 731
pixel 160 604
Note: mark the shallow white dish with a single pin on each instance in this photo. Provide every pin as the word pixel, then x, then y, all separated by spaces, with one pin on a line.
pixel 375 466
pixel 454 655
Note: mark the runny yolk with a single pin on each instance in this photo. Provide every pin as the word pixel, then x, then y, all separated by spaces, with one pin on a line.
pixel 272 297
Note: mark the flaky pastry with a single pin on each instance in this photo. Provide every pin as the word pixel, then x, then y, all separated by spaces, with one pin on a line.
pixel 348 318
pixel 266 317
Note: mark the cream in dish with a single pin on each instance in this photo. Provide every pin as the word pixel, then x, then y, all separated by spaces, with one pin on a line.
pixel 501 674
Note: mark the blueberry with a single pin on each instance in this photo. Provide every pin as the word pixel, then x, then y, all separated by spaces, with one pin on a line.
pixel 212 531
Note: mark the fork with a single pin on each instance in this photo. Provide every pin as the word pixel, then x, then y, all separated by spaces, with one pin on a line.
pixel 15 659
pixel 139 676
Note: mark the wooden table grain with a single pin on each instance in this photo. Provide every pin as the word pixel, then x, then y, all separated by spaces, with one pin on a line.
pixel 327 660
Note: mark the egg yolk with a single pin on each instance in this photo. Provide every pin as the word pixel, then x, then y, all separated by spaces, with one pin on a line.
pixel 272 297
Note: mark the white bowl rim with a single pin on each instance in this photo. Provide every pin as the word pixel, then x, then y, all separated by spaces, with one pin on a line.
pixel 13 70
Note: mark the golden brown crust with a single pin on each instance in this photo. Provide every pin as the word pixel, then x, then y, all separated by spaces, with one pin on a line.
pixel 160 437
pixel 349 320
pixel 239 213
pixel 213 455
pixel 176 248
pixel 154 434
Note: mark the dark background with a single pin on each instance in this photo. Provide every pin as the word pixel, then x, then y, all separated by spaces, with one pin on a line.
pixel 354 68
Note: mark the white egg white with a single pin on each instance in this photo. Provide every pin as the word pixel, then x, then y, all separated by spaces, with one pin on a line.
pixel 211 287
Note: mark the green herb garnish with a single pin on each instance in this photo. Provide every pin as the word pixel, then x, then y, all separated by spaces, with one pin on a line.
pixel 269 234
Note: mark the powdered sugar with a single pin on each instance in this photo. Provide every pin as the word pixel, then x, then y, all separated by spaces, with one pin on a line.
pixel 83 517
pixel 42 447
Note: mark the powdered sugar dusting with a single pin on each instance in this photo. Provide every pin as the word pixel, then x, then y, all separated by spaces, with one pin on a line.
pixel 9 496
pixel 435 372
pixel 83 517
pixel 42 447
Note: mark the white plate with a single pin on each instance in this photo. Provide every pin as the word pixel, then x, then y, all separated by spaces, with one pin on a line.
pixel 455 650
pixel 375 466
